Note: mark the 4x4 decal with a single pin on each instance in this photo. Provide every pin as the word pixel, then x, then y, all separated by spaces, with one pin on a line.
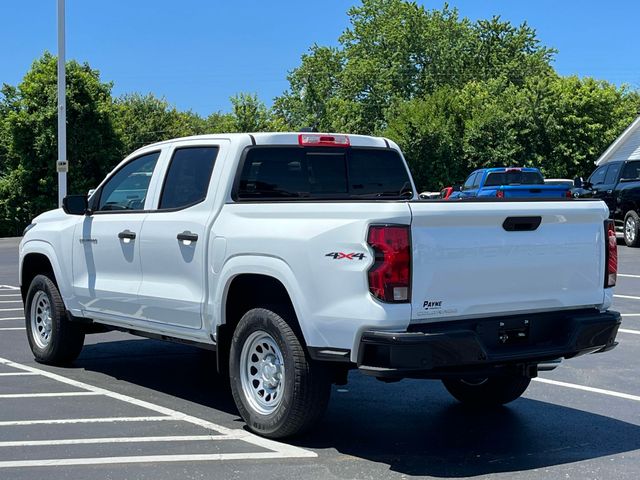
pixel 346 256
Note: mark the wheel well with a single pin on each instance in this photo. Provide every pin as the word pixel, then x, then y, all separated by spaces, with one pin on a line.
pixel 32 265
pixel 249 291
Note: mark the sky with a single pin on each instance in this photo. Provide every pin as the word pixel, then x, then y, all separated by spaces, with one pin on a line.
pixel 198 53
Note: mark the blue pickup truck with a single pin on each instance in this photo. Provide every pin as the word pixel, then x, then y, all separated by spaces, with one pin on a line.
pixel 509 182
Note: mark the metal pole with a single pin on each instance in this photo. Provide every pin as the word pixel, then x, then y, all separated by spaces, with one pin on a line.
pixel 61 164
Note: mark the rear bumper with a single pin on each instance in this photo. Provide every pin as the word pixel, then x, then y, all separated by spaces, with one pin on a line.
pixel 487 346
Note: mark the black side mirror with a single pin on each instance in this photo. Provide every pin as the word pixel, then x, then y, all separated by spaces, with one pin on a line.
pixel 578 182
pixel 75 205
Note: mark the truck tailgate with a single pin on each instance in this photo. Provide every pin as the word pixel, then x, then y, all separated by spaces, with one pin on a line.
pixel 466 263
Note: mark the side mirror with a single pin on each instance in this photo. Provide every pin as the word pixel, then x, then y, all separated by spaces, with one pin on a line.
pixel 75 205
pixel 578 182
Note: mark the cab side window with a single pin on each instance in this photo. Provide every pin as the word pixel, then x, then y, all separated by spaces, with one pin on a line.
pixel 187 179
pixel 127 189
pixel 469 183
pixel 598 176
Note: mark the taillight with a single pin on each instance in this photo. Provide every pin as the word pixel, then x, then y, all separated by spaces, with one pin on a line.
pixel 611 254
pixel 323 140
pixel 390 275
pixel 568 194
pixel 500 194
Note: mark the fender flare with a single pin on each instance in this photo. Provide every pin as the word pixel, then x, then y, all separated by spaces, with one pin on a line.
pixel 45 248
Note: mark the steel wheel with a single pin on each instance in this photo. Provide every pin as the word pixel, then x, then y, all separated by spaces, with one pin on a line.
pixel 262 372
pixel 630 229
pixel 41 321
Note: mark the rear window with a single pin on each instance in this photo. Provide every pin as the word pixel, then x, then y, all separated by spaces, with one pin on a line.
pixel 281 173
pixel 495 179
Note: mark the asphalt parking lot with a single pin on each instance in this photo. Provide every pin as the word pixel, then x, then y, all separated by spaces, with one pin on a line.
pixel 133 408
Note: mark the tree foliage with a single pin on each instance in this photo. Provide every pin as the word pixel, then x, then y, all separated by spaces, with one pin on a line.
pixel 453 93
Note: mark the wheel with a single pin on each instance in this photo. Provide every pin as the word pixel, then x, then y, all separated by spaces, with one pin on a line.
pixel 52 337
pixel 487 391
pixel 631 225
pixel 278 390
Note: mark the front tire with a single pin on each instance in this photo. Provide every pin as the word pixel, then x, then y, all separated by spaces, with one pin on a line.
pixel 631 229
pixel 278 390
pixel 53 339
pixel 487 392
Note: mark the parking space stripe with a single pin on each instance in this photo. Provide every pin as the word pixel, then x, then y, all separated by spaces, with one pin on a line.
pixel 626 275
pixel 16 374
pixel 11 309
pixel 630 314
pixel 10 295
pixel 90 441
pixel 602 391
pixel 628 297
pixel 10 301
pixel 64 421
pixel 626 330
pixel 280 450
pixel 46 394
pixel 8 287
pixel 11 318
pixel 13 328
pixel 207 457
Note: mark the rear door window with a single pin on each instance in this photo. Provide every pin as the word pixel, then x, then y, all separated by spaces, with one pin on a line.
pixel 612 174
pixel 187 179
pixel 281 173
pixel 631 171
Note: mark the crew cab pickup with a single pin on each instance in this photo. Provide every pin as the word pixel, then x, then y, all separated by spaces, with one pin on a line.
pixel 510 182
pixel 298 257
pixel 618 185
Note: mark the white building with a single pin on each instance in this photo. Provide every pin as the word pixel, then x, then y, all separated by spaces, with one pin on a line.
pixel 625 147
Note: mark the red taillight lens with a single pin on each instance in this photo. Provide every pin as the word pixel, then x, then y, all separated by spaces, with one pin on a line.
pixel 611 257
pixel 568 194
pixel 500 194
pixel 390 275
pixel 323 140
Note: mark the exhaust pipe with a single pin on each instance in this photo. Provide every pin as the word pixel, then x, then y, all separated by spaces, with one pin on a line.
pixel 549 365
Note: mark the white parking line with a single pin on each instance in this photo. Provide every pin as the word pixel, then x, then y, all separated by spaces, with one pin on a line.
pixel 10 301
pixel 8 287
pixel 11 309
pixel 207 457
pixel 630 297
pixel 13 328
pixel 65 421
pixel 630 314
pixel 11 318
pixel 47 394
pixel 89 441
pixel 602 391
pixel 626 275
pixel 10 295
pixel 278 450
pixel 16 374
pixel 626 330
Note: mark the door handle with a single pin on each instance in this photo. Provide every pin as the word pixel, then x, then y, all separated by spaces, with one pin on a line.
pixel 187 237
pixel 127 235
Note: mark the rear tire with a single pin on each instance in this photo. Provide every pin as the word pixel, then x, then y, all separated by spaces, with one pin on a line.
pixel 487 392
pixel 631 229
pixel 53 339
pixel 278 390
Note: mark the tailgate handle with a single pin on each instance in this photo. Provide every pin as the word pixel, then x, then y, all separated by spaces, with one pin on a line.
pixel 521 224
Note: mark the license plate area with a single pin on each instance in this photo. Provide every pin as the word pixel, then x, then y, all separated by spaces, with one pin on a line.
pixel 514 332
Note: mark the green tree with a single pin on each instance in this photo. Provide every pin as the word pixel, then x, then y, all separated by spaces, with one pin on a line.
pixel 28 184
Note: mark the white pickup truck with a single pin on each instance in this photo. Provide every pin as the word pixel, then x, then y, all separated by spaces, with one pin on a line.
pixel 300 256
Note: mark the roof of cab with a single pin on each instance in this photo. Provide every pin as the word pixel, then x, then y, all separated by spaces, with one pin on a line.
pixel 277 138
